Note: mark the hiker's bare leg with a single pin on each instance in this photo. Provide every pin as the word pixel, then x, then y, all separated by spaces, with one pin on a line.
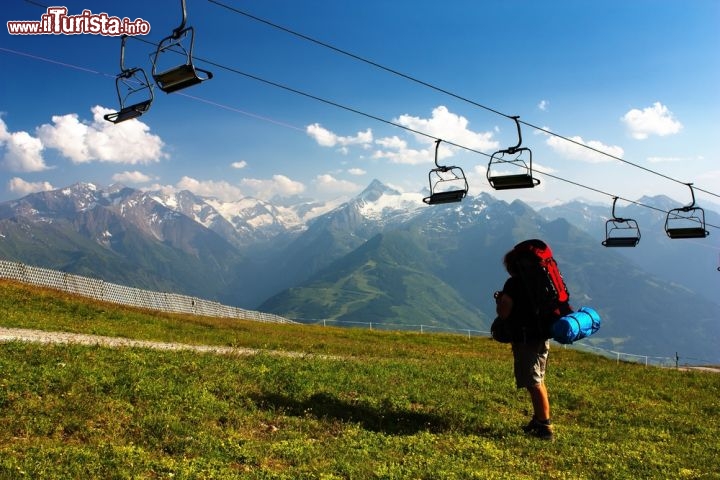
pixel 540 401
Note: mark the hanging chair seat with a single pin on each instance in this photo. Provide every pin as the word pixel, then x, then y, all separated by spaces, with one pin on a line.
pixel 180 77
pixel 128 113
pixel 621 232
pixel 621 242
pixel 507 182
pixel 520 158
pixel 686 232
pixel 449 196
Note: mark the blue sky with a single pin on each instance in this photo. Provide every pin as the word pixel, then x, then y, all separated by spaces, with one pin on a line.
pixel 636 79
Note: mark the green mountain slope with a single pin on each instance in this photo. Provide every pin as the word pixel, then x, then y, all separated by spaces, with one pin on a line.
pixel 388 280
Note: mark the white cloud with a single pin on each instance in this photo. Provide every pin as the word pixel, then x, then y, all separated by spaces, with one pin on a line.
pixel 448 126
pixel 23 152
pixel 574 151
pixel 221 190
pixel 397 151
pixel 129 142
pixel 239 165
pixel 265 189
pixel 543 105
pixel 356 171
pixel 655 120
pixel 18 185
pixel 444 125
pixel 326 138
pixel 131 177
pixel 331 185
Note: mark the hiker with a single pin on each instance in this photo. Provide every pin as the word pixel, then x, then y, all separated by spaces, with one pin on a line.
pixel 524 329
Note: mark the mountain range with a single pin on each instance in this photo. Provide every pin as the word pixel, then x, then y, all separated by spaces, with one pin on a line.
pixel 381 257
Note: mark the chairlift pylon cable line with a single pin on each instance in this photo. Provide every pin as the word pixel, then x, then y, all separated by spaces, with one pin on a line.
pixel 446 92
pixel 338 105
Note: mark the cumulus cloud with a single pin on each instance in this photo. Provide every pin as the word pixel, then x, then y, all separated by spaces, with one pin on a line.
pixel 448 126
pixel 579 152
pixel 326 138
pixel 396 150
pixel 131 177
pixel 18 185
pixel 330 185
pixel 265 189
pixel 221 190
pixel 655 120
pixel 21 152
pixel 239 165
pixel 356 171
pixel 543 105
pixel 442 124
pixel 128 142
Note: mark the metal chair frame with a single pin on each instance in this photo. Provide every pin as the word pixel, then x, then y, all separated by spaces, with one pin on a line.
pixel 517 153
pixel 129 83
pixel 687 221
pixel 621 232
pixel 444 176
pixel 184 75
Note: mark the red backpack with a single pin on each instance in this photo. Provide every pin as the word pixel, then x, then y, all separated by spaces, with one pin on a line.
pixel 545 285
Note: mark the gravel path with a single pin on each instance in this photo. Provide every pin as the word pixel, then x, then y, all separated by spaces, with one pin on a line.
pixel 39 336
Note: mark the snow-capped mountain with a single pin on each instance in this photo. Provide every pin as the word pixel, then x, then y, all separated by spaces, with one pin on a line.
pixel 246 221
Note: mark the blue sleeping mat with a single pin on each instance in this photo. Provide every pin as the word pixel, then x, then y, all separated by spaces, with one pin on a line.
pixel 576 326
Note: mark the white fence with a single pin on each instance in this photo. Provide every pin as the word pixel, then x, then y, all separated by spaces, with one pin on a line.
pixel 135 297
pixel 618 356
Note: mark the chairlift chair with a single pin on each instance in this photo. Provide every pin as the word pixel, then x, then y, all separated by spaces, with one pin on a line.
pixel 516 156
pixel 687 221
pixel 621 232
pixel 186 74
pixel 131 84
pixel 447 184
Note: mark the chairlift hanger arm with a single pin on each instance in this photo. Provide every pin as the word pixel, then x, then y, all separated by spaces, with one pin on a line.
pixel 123 39
pixel 687 208
pixel 517 124
pixel 437 147
pixel 179 30
pixel 615 217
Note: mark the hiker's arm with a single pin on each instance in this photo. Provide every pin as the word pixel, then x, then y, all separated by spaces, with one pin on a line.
pixel 504 305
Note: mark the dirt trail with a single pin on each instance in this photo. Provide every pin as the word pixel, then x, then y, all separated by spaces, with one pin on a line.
pixel 39 336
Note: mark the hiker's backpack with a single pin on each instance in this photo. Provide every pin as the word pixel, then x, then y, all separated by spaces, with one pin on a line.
pixel 546 288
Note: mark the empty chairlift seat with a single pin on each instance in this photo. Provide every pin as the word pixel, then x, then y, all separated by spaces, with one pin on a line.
pixel 173 77
pixel 134 91
pixel 621 232
pixel 447 184
pixel 515 158
pixel 687 221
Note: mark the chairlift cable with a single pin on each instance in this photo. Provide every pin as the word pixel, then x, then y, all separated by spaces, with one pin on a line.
pixel 444 91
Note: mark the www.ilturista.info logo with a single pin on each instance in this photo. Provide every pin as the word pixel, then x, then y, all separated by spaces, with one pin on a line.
pixel 57 22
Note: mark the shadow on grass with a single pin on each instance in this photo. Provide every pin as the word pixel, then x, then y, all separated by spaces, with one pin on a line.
pixel 385 418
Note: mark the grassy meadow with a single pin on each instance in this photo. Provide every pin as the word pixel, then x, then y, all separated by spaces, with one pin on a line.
pixel 356 404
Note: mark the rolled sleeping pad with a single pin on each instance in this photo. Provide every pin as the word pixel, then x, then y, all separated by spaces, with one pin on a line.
pixel 576 326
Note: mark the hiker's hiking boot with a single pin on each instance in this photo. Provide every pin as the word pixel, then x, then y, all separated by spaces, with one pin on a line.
pixel 540 428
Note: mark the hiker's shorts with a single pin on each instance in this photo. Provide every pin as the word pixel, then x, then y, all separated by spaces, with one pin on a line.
pixel 530 360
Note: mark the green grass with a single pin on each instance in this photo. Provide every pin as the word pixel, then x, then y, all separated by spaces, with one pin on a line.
pixel 390 406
